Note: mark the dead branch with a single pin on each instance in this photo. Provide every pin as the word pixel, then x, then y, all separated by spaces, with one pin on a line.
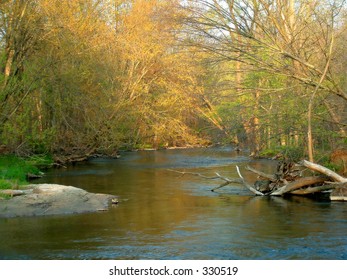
pixel 321 169
pixel 262 174
pixel 246 184
pixel 226 180
pixel 207 177
pixel 285 181
pixel 223 185
pixel 311 190
pixel 299 183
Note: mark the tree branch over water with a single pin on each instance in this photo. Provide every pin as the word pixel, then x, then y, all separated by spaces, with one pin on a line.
pixel 285 181
pixel 226 180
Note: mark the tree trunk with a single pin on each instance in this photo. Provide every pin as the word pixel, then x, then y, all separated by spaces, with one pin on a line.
pixel 310 104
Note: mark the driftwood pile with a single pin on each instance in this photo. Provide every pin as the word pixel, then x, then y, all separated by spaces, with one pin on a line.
pixel 289 179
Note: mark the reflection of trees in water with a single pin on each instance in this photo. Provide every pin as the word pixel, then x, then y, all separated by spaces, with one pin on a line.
pixel 161 206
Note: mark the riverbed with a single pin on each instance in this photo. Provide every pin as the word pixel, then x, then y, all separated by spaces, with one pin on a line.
pixel 164 215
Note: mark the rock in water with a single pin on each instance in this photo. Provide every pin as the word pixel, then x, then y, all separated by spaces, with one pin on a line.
pixel 51 199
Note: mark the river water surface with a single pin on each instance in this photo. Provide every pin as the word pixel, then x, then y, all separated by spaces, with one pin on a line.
pixel 163 215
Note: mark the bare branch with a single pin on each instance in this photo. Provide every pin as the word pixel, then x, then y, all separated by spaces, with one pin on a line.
pixel 311 190
pixel 200 175
pixel 299 183
pixel 246 184
pixel 323 170
pixel 261 174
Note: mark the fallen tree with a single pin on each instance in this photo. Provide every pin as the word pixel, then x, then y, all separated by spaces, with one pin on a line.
pixel 288 180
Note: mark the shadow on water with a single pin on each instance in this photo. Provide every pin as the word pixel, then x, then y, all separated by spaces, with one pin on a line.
pixel 163 215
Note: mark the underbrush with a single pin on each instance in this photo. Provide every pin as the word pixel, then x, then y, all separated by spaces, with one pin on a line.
pixel 14 170
pixel 292 153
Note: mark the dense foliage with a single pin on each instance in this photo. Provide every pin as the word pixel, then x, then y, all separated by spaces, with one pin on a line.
pixel 97 76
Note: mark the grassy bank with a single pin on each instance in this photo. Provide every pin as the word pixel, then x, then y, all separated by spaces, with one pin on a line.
pixel 14 170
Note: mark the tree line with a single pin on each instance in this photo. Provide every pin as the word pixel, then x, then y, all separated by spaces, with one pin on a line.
pixel 95 76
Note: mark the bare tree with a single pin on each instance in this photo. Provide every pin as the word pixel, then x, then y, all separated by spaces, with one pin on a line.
pixel 284 38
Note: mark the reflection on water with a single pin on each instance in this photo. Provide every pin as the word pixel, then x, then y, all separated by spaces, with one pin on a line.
pixel 163 215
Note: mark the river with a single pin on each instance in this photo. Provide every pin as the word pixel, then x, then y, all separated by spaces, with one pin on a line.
pixel 163 215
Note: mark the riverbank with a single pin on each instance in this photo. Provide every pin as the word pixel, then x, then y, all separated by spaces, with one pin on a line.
pixel 15 172
pixel 52 199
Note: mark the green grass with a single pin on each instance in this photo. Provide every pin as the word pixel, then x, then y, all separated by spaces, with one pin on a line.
pixel 5 184
pixel 13 170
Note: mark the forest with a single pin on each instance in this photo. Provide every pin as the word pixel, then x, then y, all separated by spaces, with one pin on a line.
pixel 84 77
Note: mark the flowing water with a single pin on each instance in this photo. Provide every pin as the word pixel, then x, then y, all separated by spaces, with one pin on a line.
pixel 164 215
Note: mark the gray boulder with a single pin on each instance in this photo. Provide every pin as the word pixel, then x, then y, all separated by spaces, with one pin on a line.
pixel 51 199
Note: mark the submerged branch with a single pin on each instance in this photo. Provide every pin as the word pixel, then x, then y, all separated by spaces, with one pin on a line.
pixel 226 180
pixel 246 184
pixel 311 190
pixel 200 175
